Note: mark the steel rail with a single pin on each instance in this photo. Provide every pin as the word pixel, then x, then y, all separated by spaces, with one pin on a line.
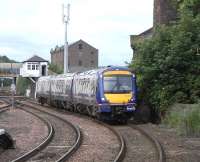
pixel 42 145
pixel 4 108
pixel 121 154
pixel 122 151
pixel 78 141
pixel 154 141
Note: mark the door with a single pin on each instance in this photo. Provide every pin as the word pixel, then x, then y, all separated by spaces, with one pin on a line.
pixel 44 70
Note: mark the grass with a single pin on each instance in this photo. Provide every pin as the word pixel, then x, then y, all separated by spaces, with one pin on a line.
pixel 185 118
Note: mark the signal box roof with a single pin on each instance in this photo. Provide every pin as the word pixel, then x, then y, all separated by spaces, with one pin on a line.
pixel 36 58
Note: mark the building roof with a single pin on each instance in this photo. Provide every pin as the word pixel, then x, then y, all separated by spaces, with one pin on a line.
pixel 36 58
pixel 57 48
pixel 81 41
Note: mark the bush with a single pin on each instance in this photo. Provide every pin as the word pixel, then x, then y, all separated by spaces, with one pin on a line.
pixel 56 69
pixel 22 85
pixel 168 65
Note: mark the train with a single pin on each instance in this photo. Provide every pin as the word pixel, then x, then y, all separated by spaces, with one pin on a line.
pixel 108 93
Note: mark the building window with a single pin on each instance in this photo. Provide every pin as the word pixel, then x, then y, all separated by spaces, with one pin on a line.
pixel 36 67
pixel 80 63
pixel 92 53
pixel 29 67
pixel 33 67
pixel 80 46
pixel 92 62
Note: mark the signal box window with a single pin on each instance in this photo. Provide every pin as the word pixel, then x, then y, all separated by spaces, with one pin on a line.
pixel 33 67
pixel 29 67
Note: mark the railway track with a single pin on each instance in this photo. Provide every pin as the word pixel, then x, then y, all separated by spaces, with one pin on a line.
pixel 63 143
pixel 161 157
pixel 38 148
pixel 153 143
pixel 138 145
pixel 102 154
pixel 141 146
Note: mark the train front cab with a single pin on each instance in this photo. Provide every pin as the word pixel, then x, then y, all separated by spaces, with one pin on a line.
pixel 117 95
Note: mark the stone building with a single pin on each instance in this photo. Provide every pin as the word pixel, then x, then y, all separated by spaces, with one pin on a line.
pixel 81 56
pixel 163 13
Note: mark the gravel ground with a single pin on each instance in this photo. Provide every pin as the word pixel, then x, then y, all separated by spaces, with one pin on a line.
pixel 99 143
pixel 27 130
pixel 138 147
pixel 177 148
pixel 64 138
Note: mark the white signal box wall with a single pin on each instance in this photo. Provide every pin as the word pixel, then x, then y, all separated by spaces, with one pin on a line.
pixel 34 67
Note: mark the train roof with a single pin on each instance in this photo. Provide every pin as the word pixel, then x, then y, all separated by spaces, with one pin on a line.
pixel 103 69
pixel 89 72
pixel 49 77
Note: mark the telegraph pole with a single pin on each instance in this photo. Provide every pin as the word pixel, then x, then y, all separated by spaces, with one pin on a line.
pixel 66 21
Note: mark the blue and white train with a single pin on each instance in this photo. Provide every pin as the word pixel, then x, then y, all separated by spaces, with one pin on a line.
pixel 106 93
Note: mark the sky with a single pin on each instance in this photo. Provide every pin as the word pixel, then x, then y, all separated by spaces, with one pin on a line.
pixel 29 27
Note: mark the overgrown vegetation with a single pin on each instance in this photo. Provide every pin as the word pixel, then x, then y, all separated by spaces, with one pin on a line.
pixel 168 65
pixel 186 118
pixel 55 68
pixel 22 85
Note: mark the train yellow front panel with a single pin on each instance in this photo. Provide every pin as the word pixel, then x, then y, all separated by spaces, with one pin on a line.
pixel 117 72
pixel 118 98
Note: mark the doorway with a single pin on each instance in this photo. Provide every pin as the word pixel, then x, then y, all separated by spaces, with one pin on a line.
pixel 44 70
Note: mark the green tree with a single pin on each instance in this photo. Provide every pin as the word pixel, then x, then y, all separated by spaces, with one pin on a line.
pixel 22 85
pixel 55 68
pixel 168 65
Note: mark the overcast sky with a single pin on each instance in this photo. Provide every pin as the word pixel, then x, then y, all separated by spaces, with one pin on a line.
pixel 29 27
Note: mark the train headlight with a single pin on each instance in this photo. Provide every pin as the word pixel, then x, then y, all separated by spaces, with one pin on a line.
pixel 130 108
pixel 103 99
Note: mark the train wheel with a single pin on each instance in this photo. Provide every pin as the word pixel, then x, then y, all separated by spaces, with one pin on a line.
pixel 41 100
pixel 94 112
